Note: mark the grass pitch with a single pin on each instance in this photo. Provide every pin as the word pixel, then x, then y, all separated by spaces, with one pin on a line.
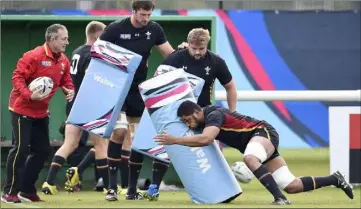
pixel 307 162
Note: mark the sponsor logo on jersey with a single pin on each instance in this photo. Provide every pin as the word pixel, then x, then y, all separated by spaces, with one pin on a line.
pixel 45 63
pixel 125 36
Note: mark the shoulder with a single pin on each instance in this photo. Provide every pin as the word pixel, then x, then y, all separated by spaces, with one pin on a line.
pixel 83 50
pixel 77 50
pixel 37 51
pixel 215 57
pixel 116 24
pixel 212 110
pixel 155 25
pixel 34 54
pixel 213 116
pixel 175 58
pixel 120 21
pixel 178 53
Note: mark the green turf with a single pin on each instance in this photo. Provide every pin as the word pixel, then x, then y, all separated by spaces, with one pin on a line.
pixel 301 162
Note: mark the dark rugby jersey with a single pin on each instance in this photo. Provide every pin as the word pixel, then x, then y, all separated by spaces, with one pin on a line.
pixel 79 63
pixel 138 40
pixel 236 129
pixel 209 68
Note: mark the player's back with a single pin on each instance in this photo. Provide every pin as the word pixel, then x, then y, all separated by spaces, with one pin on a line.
pixel 79 63
pixel 235 127
pixel 234 120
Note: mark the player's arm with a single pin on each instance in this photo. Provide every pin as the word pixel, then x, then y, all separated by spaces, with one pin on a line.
pixel 225 78
pixel 165 49
pixel 162 44
pixel 213 122
pixel 24 68
pixel 171 60
pixel 231 95
pixel 66 83
pixel 198 140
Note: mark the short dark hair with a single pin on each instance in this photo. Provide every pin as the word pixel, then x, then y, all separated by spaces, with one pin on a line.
pixel 187 108
pixel 143 4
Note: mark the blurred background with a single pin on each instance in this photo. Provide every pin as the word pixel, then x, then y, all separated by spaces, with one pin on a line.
pixel 187 4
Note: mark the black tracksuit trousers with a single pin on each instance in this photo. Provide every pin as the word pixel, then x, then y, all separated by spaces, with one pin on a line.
pixel 30 149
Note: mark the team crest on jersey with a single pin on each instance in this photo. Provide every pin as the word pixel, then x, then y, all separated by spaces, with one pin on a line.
pixel 207 69
pixel 148 34
pixel 125 36
pixel 46 63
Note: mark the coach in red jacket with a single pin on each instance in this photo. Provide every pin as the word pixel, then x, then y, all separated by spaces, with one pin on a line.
pixel 30 114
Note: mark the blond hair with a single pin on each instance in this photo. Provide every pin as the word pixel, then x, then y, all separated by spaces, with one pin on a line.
pixel 198 36
pixel 93 27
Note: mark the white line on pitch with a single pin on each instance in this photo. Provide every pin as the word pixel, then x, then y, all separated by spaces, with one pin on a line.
pixel 21 205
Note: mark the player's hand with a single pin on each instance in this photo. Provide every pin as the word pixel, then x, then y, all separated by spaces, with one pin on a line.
pixel 165 139
pixel 183 45
pixel 36 96
pixel 69 94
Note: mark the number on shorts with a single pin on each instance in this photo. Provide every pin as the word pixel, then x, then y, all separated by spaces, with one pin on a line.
pixel 74 64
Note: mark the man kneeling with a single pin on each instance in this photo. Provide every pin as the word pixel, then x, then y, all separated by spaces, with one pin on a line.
pixel 258 140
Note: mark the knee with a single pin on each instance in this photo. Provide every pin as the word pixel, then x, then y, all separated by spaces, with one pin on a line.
pixel 251 162
pixel 72 136
pixel 255 152
pixel 23 150
pixel 19 153
pixel 293 187
pixel 43 152
pixel 127 143
pixel 119 135
pixel 100 144
pixel 70 144
pixel 249 159
pixel 120 129
pixel 286 180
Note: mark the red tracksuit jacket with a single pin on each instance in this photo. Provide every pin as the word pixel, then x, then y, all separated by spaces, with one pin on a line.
pixel 36 63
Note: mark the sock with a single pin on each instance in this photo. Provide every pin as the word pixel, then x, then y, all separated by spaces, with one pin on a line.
pixel 114 157
pixel 312 183
pixel 87 161
pixel 56 164
pixel 102 168
pixel 268 181
pixel 124 169
pixel 159 169
pixel 135 164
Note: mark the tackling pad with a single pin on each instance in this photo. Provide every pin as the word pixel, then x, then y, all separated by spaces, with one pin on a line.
pixel 203 171
pixel 143 139
pixel 104 88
